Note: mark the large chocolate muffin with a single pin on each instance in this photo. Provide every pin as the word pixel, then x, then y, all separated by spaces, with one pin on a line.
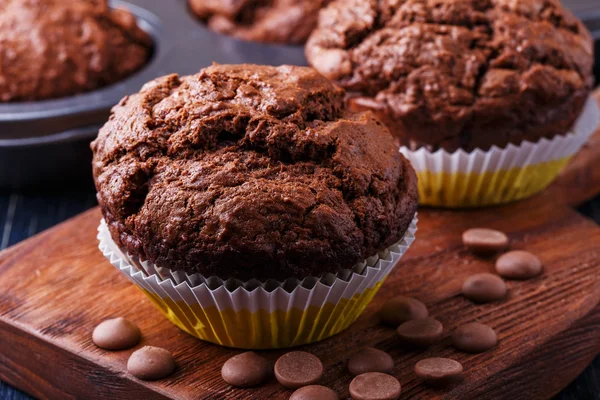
pixel 250 172
pixel 274 21
pixel 458 73
pixel 57 48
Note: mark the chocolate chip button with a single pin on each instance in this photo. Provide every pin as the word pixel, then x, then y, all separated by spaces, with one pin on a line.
pixel 246 370
pixel 314 392
pixel 401 309
pixel 518 264
pixel 421 332
pixel 370 360
pixel 484 288
pixel 151 363
pixel 375 386
pixel 439 371
pixel 483 240
pixel 116 334
pixel 474 338
pixel 298 368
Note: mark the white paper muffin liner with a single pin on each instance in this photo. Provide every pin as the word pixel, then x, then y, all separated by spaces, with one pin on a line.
pixel 254 314
pixel 499 175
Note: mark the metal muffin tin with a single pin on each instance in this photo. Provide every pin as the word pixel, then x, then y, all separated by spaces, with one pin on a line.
pixel 46 143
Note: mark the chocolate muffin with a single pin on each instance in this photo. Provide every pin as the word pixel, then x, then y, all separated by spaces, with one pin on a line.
pixel 57 48
pixel 249 171
pixel 273 21
pixel 458 73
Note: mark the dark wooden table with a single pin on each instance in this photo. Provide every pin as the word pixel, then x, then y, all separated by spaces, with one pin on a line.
pixel 23 215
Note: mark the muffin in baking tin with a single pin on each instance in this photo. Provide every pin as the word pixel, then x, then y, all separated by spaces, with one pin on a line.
pixel 279 21
pixel 55 48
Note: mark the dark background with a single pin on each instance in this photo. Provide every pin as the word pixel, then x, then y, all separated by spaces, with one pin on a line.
pixel 25 214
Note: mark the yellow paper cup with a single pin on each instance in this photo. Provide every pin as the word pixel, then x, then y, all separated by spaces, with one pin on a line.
pixel 482 178
pixel 259 315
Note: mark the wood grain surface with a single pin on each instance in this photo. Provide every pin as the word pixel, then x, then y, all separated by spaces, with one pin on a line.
pixel 55 287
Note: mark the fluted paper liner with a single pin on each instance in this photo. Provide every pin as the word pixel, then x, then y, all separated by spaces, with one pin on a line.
pixel 497 176
pixel 259 315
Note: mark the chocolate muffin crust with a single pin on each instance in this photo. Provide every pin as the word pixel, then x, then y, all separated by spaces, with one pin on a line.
pixel 273 21
pixel 57 48
pixel 250 171
pixel 458 73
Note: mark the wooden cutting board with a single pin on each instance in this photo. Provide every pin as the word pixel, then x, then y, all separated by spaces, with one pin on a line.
pixel 55 287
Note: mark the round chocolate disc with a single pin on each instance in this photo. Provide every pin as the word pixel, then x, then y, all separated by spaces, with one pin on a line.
pixel 375 386
pixel 370 360
pixel 246 370
pixel 116 334
pixel 439 371
pixel 151 363
pixel 474 338
pixel 518 264
pixel 421 332
pixel 314 392
pixel 298 368
pixel 484 240
pixel 484 287
pixel 401 309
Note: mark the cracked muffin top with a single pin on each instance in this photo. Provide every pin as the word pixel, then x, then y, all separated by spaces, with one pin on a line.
pixel 56 48
pixel 245 171
pixel 272 21
pixel 458 73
